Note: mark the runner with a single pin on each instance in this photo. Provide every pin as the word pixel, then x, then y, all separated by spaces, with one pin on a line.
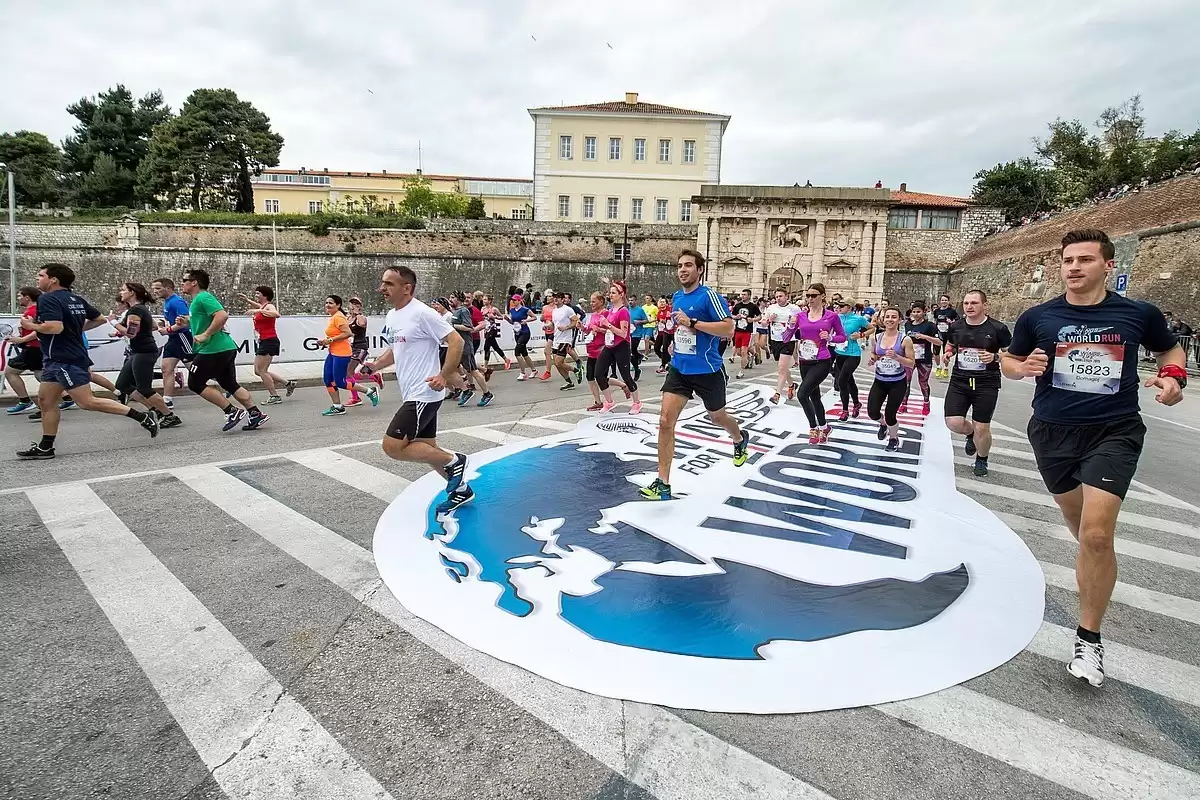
pixel 814 330
pixel 416 333
pixel 593 340
pixel 179 346
pixel 666 335
pixel 61 318
pixel 462 321
pixel 924 335
pixel 579 362
pixel 28 357
pixel 547 312
pixel 136 379
pixel 615 325
pixel 637 332
pixel 943 316
pixel 518 317
pixel 892 356
pixel 847 357
pixel 781 317
pixel 359 347
pixel 745 314
pixel 1086 429
pixel 976 341
pixel 702 319
pixel 565 323
pixel 491 334
pixel 216 356
pixel 762 334
pixel 651 327
pixel 266 342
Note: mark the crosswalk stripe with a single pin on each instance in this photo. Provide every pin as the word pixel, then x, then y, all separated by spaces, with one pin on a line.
pixel 539 422
pixel 1041 499
pixel 1154 673
pixel 1168 605
pixel 1034 475
pixel 1087 764
pixel 1146 552
pixel 491 434
pixel 352 472
pixel 572 713
pixel 196 665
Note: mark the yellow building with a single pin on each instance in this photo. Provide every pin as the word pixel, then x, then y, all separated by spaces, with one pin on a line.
pixel 623 161
pixel 304 191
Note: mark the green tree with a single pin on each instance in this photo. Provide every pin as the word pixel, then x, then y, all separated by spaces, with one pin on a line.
pixel 109 142
pixel 36 163
pixel 211 150
pixel 450 205
pixel 419 198
pixel 1021 188
pixel 1075 156
pixel 475 209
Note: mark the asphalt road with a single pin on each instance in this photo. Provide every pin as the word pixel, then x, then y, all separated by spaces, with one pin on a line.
pixel 164 636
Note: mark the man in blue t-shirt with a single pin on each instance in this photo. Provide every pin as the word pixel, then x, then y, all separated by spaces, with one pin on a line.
pixel 179 345
pixel 1086 432
pixel 702 320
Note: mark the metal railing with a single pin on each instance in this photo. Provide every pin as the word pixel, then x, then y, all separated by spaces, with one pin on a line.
pixel 1191 351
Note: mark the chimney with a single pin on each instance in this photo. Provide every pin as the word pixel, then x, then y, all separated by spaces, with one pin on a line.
pixel 904 187
pixel 631 98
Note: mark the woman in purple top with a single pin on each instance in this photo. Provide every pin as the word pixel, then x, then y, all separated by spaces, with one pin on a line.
pixel 816 328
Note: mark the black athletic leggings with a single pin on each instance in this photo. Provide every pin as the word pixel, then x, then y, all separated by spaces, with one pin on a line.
pixel 893 392
pixel 843 378
pixel 490 344
pixel 619 355
pixel 137 373
pixel 662 347
pixel 809 393
pixel 522 346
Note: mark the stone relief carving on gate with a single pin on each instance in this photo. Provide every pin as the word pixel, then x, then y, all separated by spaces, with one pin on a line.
pixel 792 235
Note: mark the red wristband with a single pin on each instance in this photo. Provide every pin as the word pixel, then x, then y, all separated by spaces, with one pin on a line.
pixel 1172 371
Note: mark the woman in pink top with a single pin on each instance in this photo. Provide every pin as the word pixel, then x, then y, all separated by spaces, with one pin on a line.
pixel 615 324
pixel 816 328
pixel 593 340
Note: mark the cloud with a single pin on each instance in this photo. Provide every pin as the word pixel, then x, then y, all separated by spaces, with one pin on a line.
pixel 836 93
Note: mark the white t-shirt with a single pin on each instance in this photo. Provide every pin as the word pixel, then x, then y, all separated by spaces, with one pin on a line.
pixel 776 318
pixel 416 333
pixel 562 316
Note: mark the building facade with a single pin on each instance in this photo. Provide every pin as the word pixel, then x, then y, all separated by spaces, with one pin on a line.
pixel 625 161
pixel 303 191
pixel 933 231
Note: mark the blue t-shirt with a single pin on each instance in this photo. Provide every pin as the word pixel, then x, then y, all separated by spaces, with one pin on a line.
pixel 638 318
pixel 701 356
pixel 518 316
pixel 173 307
pixel 1088 348
pixel 851 324
pixel 68 347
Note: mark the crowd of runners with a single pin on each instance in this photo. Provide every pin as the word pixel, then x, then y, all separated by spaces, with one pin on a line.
pixel 1081 349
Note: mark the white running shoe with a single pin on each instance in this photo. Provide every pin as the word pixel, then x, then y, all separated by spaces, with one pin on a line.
pixel 1088 663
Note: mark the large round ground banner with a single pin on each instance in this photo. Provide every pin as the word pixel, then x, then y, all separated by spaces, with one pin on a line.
pixel 813 577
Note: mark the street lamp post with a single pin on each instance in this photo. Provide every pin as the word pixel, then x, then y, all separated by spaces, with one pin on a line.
pixel 625 249
pixel 12 239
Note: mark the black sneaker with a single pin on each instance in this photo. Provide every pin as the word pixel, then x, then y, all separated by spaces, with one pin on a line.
pixel 969 447
pixel 150 423
pixel 170 421
pixel 289 388
pixel 881 434
pixel 980 469
pixel 454 473
pixel 233 418
pixel 893 445
pixel 36 416
pixel 256 422
pixel 566 386
pixel 36 453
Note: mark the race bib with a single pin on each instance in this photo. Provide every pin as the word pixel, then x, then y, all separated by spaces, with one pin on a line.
pixel 888 366
pixel 743 324
pixel 777 329
pixel 969 360
pixel 685 341
pixel 808 350
pixel 610 339
pixel 1088 367
pixel 588 337
pixel 918 351
pixel 943 327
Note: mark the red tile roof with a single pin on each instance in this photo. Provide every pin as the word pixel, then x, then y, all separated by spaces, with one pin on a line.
pixel 929 200
pixel 621 107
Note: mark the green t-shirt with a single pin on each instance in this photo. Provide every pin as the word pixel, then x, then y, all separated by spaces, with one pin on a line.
pixel 201 312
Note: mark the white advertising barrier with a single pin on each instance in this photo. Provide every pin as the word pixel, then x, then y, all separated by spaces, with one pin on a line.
pixel 813 577
pixel 298 336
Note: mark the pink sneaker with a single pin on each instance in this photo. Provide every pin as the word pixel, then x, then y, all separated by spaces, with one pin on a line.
pixel 508 363
pixel 636 408
pixel 608 407
pixel 925 409
pixel 814 436
pixel 824 434
pixel 596 407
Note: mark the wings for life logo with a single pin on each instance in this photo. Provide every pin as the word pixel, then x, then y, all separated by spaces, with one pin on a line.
pixel 814 577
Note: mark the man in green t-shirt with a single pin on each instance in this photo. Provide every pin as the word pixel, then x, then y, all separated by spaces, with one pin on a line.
pixel 216 354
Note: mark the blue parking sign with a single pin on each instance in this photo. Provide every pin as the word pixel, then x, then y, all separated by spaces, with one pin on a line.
pixel 1122 284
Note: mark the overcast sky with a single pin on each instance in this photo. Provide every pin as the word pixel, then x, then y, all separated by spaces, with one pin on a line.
pixel 836 93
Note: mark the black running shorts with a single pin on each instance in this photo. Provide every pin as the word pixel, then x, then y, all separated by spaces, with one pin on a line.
pixel 977 395
pixel 782 348
pixel 1104 455
pixel 415 420
pixel 28 360
pixel 709 387
pixel 266 347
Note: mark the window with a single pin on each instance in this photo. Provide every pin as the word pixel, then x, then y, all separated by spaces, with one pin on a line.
pixel 664 150
pixel 322 180
pixel 589 207
pixel 689 151
pixel 635 210
pixel 660 210
pixel 589 148
pixel 639 149
pixel 519 213
pixel 314 206
pixel 502 188
pixel 621 251
pixel 902 218
pixel 564 206
pixel 685 210
pixel 939 220
pixel 614 206
pixel 272 206
pixel 614 148
pixel 564 147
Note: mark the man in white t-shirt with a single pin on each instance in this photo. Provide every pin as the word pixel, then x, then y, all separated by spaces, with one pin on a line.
pixel 778 318
pixel 565 321
pixel 417 333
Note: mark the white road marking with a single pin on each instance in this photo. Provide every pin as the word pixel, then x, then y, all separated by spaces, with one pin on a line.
pixel 1146 552
pixel 235 714
pixel 1034 475
pixel 491 434
pixel 352 472
pixel 1127 594
pixel 1170 422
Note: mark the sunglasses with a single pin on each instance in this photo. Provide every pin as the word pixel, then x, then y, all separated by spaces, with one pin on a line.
pixel 811 294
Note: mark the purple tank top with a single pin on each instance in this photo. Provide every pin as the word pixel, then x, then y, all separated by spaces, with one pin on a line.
pixel 887 368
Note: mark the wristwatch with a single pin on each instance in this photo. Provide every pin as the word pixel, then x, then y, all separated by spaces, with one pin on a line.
pixel 1174 371
pixel 691 322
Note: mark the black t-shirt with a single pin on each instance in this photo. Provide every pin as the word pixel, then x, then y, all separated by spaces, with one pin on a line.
pixel 922 348
pixel 944 316
pixel 743 313
pixel 1090 346
pixel 143 340
pixel 988 335
pixel 63 305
